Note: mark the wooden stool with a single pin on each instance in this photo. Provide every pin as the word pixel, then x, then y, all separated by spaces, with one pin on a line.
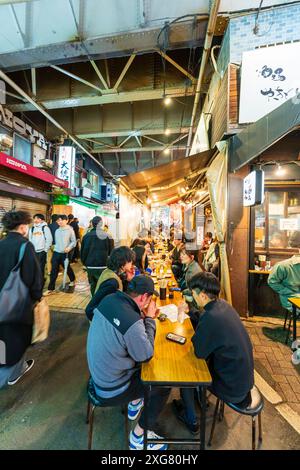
pixel 253 410
pixel 95 401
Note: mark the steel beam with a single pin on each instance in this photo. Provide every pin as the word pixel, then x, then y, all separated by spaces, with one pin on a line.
pixel 122 97
pixel 79 79
pixel 99 74
pixel 117 45
pixel 142 132
pixel 124 71
pixel 137 149
pixel 177 66
pixel 33 81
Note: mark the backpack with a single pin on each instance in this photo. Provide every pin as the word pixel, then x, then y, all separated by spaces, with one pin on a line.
pixel 43 230
pixel 15 314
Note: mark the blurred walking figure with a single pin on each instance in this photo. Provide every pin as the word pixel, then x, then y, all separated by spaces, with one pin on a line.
pixel 95 250
pixel 53 226
pixel 65 241
pixel 74 223
pixel 41 238
pixel 16 335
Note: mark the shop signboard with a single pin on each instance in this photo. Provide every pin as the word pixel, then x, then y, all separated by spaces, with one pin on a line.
pixel 66 164
pixel 289 224
pixel 23 167
pixel 269 77
pixel 253 191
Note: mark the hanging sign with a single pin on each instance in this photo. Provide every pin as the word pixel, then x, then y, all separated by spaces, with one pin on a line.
pixel 66 164
pixel 270 76
pixel 253 191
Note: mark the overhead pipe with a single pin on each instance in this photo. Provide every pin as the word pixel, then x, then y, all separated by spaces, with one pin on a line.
pixel 207 46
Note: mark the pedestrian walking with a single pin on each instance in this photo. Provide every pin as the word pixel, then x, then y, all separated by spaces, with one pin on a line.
pixel 15 336
pixel 65 241
pixel 41 238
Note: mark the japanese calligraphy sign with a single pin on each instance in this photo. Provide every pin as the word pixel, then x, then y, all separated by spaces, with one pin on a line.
pixel 253 191
pixel 270 76
pixel 66 164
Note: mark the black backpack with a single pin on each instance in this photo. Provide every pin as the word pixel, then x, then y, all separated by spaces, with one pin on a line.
pixel 16 317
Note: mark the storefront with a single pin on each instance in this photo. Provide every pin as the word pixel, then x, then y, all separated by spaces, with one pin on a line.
pixel 24 187
pixel 260 236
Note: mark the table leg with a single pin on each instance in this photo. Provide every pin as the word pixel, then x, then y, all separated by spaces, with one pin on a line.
pixel 146 399
pixel 203 418
pixel 294 323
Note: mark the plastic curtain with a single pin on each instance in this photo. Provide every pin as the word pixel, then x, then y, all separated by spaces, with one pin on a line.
pixel 217 187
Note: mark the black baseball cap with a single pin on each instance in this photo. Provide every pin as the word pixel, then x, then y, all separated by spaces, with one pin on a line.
pixel 142 285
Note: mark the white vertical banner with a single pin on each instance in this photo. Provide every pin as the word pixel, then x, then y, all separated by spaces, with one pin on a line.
pixel 66 164
pixel 270 76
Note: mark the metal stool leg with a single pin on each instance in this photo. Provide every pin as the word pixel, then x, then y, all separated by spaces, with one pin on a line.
pixel 221 413
pixel 88 412
pixel 259 428
pixel 288 330
pixel 214 423
pixel 253 432
pixel 286 317
pixel 91 425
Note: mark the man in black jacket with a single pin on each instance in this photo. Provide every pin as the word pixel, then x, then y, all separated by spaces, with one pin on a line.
pixel 17 224
pixel 95 250
pixel 222 340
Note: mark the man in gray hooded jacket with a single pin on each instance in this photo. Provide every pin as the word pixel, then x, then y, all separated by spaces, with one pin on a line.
pixel 41 238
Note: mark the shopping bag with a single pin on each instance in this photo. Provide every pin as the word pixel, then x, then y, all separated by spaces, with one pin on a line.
pixel 41 322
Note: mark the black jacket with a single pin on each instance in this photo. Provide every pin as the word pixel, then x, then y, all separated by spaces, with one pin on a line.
pixel 18 336
pixel 53 227
pixel 30 269
pixel 95 250
pixel 110 286
pixel 222 339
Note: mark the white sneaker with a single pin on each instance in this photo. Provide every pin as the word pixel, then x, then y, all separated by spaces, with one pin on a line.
pixel 296 357
pixel 295 344
pixel 48 292
pixel 137 442
pixel 29 365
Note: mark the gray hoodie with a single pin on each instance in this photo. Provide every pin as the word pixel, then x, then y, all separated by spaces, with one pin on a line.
pixel 64 238
pixel 40 236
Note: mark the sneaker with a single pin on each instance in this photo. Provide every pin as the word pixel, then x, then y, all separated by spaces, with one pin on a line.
pixel 48 292
pixel 137 442
pixel 178 408
pixel 134 409
pixel 296 357
pixel 69 289
pixel 295 344
pixel 30 364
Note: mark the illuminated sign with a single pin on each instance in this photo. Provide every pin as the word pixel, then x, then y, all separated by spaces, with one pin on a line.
pixel 253 191
pixel 66 164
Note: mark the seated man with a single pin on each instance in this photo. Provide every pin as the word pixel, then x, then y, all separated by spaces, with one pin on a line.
pixel 121 337
pixel 222 340
pixel 285 277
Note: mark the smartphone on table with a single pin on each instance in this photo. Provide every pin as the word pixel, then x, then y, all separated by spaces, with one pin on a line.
pixel 176 338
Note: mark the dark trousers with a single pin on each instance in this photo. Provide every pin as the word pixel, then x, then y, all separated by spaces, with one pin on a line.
pixel 93 276
pixel 42 259
pixel 58 260
pixel 157 399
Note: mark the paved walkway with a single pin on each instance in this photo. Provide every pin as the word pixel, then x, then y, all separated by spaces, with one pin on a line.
pixel 73 303
pixel 273 364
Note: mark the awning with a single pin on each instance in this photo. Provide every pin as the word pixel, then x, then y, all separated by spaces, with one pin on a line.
pixel 162 183
pixel 262 134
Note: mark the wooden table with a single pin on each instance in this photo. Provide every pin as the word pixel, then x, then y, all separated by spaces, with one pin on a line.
pixel 295 301
pixel 175 365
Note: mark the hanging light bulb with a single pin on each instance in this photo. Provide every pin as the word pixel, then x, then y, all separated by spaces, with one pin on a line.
pixel 167 100
pixel 166 151
pixel 148 200
pixel 167 132
pixel 280 171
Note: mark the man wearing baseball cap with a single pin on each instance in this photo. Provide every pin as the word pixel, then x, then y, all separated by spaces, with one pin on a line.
pixel 121 337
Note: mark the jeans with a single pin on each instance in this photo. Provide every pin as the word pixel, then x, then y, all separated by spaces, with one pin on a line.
pixel 8 373
pixel 93 276
pixel 187 396
pixel 42 259
pixel 58 259
pixel 157 399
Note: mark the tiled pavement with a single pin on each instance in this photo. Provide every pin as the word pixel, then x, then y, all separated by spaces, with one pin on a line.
pixel 273 360
pixel 75 302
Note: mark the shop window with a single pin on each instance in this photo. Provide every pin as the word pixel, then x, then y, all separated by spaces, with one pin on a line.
pixel 276 220
pixel 22 149
pixel 93 180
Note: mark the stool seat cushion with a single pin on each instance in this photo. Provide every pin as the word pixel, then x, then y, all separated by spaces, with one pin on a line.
pixel 92 395
pixel 255 407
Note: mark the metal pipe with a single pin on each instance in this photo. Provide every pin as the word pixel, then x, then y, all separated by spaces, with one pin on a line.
pixel 51 119
pixel 207 45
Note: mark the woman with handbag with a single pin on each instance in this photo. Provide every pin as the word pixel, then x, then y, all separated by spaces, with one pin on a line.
pixel 21 286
